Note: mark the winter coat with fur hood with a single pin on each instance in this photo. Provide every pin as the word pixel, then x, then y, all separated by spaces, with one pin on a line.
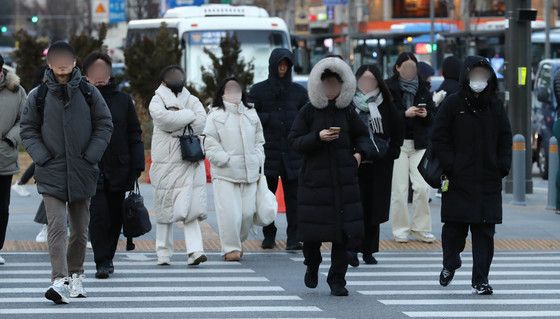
pixel 12 102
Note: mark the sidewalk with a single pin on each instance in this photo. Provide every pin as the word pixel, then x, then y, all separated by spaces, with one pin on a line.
pixel 530 227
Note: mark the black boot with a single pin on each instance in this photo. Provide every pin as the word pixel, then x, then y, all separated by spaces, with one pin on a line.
pixel 293 245
pixel 353 258
pixel 338 290
pixel 269 233
pixel 369 259
pixel 111 267
pixel 311 278
pixel 102 272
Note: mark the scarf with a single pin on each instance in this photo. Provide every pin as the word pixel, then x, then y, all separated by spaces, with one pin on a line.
pixel 409 89
pixel 369 103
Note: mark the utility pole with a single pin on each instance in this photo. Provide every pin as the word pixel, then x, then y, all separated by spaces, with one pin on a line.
pixel 351 12
pixel 433 55
pixel 547 16
pixel 518 77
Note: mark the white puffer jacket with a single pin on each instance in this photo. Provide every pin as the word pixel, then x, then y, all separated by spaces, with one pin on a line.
pixel 234 143
pixel 180 186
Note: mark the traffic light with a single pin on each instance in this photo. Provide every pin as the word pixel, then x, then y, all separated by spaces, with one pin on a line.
pixel 35 19
pixel 3 29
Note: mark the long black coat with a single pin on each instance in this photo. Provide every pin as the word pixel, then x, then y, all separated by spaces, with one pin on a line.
pixel 418 127
pixel 278 102
pixel 376 176
pixel 123 159
pixel 472 139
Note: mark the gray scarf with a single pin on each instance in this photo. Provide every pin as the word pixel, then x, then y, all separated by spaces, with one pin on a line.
pixel 409 91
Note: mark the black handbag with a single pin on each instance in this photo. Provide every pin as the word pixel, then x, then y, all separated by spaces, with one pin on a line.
pixel 430 169
pixel 191 148
pixel 136 220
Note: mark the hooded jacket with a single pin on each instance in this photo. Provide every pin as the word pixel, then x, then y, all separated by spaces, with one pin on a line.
pixel 68 139
pixel 277 102
pixel 329 201
pixel 451 70
pixel 472 139
pixel 12 102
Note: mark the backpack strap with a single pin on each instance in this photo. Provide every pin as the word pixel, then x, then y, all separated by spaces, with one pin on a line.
pixel 40 99
pixel 86 91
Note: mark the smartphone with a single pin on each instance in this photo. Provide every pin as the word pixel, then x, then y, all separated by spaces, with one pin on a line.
pixel 334 129
pixel 422 105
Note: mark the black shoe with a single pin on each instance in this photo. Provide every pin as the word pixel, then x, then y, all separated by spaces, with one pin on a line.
pixel 311 278
pixel 369 259
pixel 482 289
pixel 339 291
pixel 269 241
pixel 353 258
pixel 102 273
pixel 294 246
pixel 111 268
pixel 446 276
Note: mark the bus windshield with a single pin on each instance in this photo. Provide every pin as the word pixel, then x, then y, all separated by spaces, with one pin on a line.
pixel 255 45
pixel 135 35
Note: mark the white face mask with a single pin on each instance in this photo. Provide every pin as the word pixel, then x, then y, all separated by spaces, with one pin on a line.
pixel 478 85
pixel 232 97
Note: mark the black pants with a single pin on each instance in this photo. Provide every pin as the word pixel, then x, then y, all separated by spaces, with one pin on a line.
pixel 5 188
pixel 339 260
pixel 290 198
pixel 29 172
pixel 453 238
pixel 105 225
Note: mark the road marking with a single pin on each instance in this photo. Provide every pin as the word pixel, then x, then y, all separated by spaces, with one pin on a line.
pixel 159 298
pixel 459 273
pixel 123 310
pixel 444 302
pixel 455 282
pixel 496 258
pixel 155 289
pixel 438 266
pixel 458 292
pixel 139 271
pixel 127 263
pixel 144 279
pixel 481 314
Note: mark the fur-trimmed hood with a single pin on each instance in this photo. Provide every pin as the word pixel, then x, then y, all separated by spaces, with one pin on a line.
pixel 11 81
pixel 316 95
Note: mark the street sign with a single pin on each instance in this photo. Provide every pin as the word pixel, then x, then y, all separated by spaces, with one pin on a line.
pixel 100 11
pixel 117 11
pixel 334 2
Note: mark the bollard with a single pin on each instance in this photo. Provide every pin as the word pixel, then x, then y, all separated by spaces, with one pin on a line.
pixel 518 166
pixel 552 171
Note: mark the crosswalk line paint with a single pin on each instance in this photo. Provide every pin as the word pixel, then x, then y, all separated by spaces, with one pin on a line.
pixel 144 279
pixel 28 290
pixel 455 282
pixel 481 314
pixel 458 273
pixel 438 266
pixel 446 291
pixel 496 258
pixel 140 271
pixel 444 302
pixel 159 298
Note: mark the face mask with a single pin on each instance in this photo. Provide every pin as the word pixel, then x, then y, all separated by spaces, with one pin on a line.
pixel 232 97
pixel 478 85
pixel 175 86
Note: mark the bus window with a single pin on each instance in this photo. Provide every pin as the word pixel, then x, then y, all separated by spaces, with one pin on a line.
pixel 135 35
pixel 255 46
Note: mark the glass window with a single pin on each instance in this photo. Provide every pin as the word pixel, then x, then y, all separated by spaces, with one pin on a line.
pixel 135 35
pixel 485 8
pixel 418 9
pixel 544 78
pixel 256 46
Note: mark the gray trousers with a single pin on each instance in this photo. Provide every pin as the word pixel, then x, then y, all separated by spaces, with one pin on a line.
pixel 67 255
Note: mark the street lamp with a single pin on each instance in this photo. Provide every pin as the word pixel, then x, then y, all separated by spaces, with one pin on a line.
pixel 34 19
pixel 3 29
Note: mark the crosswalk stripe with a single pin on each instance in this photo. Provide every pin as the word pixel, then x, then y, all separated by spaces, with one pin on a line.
pixel 145 279
pixel 496 258
pixel 458 273
pixel 123 264
pixel 161 310
pixel 455 282
pixel 438 266
pixel 457 292
pixel 159 298
pixel 481 314
pixel 438 302
pixel 141 271
pixel 155 289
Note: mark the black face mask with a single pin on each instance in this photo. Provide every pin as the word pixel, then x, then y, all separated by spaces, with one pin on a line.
pixel 175 86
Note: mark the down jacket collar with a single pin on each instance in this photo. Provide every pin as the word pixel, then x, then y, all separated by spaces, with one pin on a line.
pixel 11 81
pixel 170 100
pixel 316 95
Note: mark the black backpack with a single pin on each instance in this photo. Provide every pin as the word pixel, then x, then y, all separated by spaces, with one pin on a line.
pixel 42 94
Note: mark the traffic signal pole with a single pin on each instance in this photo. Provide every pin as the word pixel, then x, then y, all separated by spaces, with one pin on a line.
pixel 518 78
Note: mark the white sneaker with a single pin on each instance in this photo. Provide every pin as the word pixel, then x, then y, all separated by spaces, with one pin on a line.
pixel 401 239
pixel 164 261
pixel 42 236
pixel 20 190
pixel 76 286
pixel 59 292
pixel 196 258
pixel 423 236
pixel 88 245
pixel 2 261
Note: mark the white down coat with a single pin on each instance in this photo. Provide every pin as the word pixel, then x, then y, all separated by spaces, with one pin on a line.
pixel 234 143
pixel 180 186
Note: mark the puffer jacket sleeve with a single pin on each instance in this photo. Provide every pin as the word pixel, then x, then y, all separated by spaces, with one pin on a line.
pixel 30 131
pixel 168 120
pixel 259 142
pixel 135 143
pixel 301 137
pixel 102 125
pixel 214 150
pixel 14 133
pixel 442 135
pixel 504 140
pixel 199 115
pixel 359 134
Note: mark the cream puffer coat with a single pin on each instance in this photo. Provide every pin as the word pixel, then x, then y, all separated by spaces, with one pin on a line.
pixel 234 143
pixel 180 186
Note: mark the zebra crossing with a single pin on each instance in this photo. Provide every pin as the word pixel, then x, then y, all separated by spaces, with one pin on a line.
pixel 526 285
pixel 141 289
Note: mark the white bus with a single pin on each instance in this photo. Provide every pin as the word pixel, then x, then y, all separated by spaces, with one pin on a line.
pixel 206 25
